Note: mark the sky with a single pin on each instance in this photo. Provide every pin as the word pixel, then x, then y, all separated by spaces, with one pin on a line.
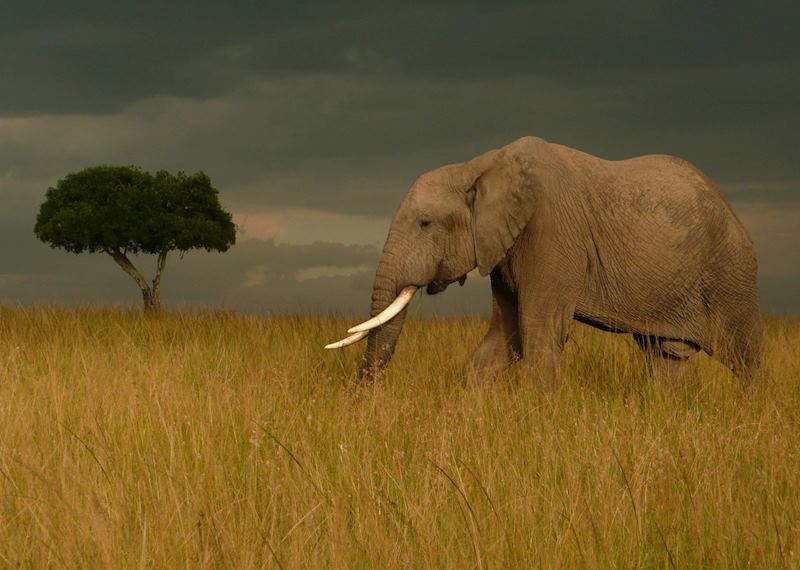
pixel 313 118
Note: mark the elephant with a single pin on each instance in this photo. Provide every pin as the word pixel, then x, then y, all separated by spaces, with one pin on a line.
pixel 646 245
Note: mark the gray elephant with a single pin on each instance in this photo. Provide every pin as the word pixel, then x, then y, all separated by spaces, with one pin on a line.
pixel 647 246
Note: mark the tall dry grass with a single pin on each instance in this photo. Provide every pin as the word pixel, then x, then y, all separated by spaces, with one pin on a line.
pixel 214 440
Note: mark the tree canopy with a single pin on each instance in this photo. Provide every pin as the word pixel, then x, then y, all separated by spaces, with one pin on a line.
pixel 120 210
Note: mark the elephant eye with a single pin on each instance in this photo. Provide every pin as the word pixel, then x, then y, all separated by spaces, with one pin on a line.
pixel 424 223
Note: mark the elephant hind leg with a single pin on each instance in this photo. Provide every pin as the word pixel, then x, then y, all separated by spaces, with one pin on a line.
pixel 665 356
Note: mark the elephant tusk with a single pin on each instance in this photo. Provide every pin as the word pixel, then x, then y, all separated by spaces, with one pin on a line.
pixel 352 339
pixel 403 299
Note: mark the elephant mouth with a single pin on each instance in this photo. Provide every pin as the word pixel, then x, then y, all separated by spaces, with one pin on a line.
pixel 435 287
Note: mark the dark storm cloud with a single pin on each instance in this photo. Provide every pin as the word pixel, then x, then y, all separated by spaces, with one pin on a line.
pixel 99 56
pixel 383 87
pixel 350 146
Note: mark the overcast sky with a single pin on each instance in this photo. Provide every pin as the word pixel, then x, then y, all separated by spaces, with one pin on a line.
pixel 313 121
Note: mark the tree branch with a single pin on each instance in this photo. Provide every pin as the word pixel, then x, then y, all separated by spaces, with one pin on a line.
pixel 129 268
pixel 162 261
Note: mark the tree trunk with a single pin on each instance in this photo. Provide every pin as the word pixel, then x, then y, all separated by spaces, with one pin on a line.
pixel 152 303
pixel 155 296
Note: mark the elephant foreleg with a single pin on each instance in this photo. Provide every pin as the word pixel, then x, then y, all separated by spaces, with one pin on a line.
pixel 501 345
pixel 547 309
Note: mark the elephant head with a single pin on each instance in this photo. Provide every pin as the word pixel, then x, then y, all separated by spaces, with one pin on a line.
pixel 452 219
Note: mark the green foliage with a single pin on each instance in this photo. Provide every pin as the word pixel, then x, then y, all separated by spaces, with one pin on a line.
pixel 125 209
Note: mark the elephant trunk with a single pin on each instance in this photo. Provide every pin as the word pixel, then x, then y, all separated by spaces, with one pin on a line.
pixel 382 339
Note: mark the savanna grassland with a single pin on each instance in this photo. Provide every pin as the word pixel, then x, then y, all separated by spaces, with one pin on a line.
pixel 217 440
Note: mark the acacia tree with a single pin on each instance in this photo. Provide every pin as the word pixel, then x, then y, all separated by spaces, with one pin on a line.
pixel 122 210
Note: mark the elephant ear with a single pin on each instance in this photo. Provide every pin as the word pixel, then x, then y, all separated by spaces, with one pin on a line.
pixel 504 199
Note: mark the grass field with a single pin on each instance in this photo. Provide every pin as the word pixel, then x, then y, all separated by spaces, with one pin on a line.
pixel 216 440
